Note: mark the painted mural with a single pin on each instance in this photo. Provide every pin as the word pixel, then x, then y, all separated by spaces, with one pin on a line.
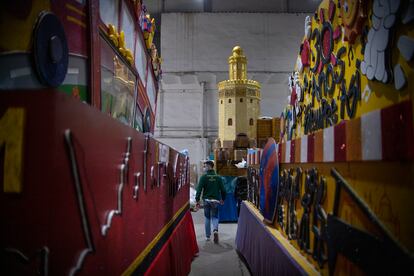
pixel 346 156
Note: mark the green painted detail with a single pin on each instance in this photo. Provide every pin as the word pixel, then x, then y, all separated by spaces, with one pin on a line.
pixel 107 102
pixel 75 90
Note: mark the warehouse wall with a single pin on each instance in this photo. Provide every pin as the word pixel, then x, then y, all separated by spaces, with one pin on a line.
pixel 195 48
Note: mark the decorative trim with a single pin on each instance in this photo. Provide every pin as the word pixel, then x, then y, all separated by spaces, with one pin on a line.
pixel 118 210
pixel 135 189
pixel 385 134
pixel 90 248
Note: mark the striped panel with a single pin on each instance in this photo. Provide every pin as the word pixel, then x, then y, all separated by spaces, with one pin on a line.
pixel 340 146
pixel 297 150
pixel 371 136
pixel 386 134
pixel 328 144
pixel 353 140
pixel 318 146
pixel 304 149
pixel 287 152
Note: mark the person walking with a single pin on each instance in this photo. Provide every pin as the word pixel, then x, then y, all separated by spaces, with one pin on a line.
pixel 212 187
pixel 240 192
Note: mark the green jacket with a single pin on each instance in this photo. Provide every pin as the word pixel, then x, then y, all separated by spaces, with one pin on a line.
pixel 211 184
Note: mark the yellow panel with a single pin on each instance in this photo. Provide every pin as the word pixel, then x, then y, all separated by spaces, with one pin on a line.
pixel 17 27
pixel 375 94
pixel 386 187
pixel 11 138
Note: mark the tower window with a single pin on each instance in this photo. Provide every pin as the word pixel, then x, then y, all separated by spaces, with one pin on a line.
pixel 251 100
pixel 230 122
pixel 229 100
pixel 241 100
pixel 221 101
pixel 251 122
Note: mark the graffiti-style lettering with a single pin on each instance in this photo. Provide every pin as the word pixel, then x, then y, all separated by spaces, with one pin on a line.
pixel 350 98
pixel 306 201
pixel 319 217
pixel 294 195
pixel 316 37
pixel 341 64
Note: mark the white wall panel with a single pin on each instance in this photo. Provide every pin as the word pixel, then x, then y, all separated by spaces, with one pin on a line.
pixel 195 48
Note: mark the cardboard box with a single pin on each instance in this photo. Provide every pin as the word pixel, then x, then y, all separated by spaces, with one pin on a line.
pixel 239 154
pixel 228 144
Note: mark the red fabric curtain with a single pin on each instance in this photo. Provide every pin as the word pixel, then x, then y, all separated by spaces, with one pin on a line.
pixel 176 255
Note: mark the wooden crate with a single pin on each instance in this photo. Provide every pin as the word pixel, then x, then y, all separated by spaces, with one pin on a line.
pixel 228 144
pixel 276 129
pixel 264 128
pixel 228 169
pixel 242 141
pixel 223 154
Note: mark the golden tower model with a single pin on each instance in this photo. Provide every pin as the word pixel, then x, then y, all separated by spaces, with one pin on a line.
pixel 239 100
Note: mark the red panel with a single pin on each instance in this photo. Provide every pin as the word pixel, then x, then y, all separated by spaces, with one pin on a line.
pixel 292 151
pixel 397 132
pixel 311 147
pixel 279 152
pixel 75 21
pixel 340 142
pixel 46 213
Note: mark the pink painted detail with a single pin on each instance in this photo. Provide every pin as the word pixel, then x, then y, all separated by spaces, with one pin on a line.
pixel 337 33
pixel 333 59
pixel 332 8
pixel 322 15
pixel 326 43
pixel 320 67
pixel 304 54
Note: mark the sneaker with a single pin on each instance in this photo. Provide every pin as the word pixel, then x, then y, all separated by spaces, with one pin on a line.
pixel 216 239
pixel 207 238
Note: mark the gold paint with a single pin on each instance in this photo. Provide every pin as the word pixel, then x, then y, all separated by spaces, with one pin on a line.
pixel 76 21
pixel 74 9
pixel 118 40
pixel 239 91
pixel 11 137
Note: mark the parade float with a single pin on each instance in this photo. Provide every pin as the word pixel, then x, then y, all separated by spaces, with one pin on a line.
pixel 86 189
pixel 335 194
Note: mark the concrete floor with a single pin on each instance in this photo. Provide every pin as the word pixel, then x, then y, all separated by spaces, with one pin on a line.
pixel 216 259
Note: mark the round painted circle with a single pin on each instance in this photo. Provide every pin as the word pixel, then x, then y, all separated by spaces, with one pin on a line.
pixel 50 50
pixel 269 180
